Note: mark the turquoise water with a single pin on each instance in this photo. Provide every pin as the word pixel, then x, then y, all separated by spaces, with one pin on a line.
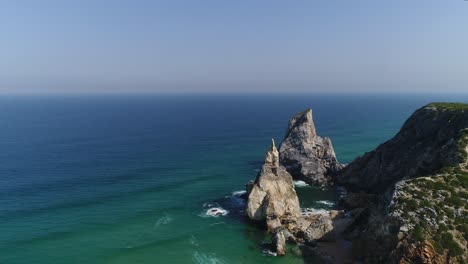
pixel 127 179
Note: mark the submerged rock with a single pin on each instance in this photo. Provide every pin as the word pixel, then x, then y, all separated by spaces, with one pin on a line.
pixel 305 155
pixel 272 194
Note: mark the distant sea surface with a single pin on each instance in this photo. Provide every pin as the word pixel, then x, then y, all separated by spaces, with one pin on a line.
pixel 128 179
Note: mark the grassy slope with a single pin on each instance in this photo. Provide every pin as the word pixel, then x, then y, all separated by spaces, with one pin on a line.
pixel 436 208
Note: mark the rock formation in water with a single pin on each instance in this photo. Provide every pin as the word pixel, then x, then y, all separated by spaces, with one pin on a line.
pixel 305 155
pixel 409 196
pixel 272 197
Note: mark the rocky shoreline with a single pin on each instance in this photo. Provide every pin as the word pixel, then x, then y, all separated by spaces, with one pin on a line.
pixel 387 217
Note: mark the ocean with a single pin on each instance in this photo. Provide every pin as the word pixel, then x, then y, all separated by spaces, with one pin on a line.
pixel 129 178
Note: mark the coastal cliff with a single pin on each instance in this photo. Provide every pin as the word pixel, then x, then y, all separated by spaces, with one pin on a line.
pixel 407 201
pixel 418 182
pixel 426 143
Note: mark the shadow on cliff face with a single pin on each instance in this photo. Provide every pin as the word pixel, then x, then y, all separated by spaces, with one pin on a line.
pixel 340 250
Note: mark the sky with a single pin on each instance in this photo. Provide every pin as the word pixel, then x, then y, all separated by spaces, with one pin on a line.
pixel 215 46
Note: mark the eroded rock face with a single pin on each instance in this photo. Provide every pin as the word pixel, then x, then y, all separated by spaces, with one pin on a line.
pixel 305 155
pixel 425 143
pixel 407 253
pixel 279 243
pixel 393 212
pixel 320 228
pixel 400 200
pixel 272 195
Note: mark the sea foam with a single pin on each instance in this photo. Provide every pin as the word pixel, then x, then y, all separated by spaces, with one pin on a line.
pixel 313 211
pixel 203 258
pixel 239 193
pixel 300 184
pixel 163 221
pixel 214 210
pixel 327 203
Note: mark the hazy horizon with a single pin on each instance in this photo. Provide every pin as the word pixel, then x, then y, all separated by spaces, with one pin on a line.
pixel 213 47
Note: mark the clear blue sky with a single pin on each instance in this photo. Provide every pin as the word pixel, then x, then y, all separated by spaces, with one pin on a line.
pixel 234 46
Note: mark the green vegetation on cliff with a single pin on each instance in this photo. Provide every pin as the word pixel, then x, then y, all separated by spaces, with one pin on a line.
pixel 435 208
pixel 450 106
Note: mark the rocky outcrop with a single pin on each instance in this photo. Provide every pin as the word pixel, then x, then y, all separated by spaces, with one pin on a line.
pixel 305 155
pixel 407 253
pixel 272 195
pixel 279 242
pixel 426 143
pixel 408 197
pixel 323 226
pixel 272 198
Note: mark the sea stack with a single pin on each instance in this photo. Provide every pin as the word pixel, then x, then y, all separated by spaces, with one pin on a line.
pixel 272 195
pixel 273 199
pixel 305 155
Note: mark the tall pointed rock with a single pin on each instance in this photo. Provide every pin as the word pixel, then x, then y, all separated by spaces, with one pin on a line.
pixel 272 195
pixel 305 155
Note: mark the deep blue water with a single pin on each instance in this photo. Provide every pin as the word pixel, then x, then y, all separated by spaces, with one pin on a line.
pixel 126 179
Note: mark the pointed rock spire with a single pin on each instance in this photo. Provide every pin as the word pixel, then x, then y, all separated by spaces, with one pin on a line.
pixel 303 124
pixel 272 193
pixel 304 154
pixel 272 155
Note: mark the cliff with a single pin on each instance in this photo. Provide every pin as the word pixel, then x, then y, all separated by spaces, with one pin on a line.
pixel 418 181
pixel 426 143
pixel 408 199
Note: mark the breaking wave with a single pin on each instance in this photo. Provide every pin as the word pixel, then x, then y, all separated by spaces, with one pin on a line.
pixel 214 210
pixel 166 219
pixel 326 203
pixel 267 252
pixel 239 193
pixel 300 184
pixel 203 258
pixel 313 211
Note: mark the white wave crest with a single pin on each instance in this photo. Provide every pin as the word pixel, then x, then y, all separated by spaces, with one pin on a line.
pixel 267 252
pixel 300 184
pixel 216 212
pixel 327 203
pixel 166 219
pixel 203 258
pixel 239 193
pixel 313 211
